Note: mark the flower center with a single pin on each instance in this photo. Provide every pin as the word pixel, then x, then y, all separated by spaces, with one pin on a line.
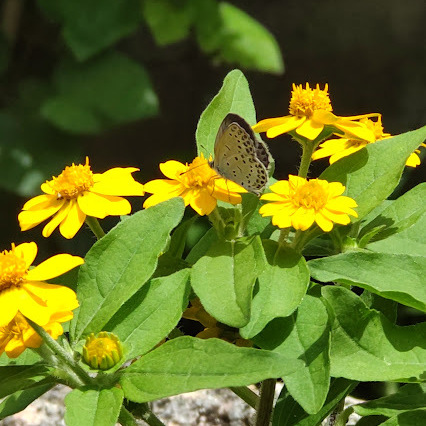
pixel 12 269
pixel 305 101
pixel 198 174
pixel 376 127
pixel 73 181
pixel 310 196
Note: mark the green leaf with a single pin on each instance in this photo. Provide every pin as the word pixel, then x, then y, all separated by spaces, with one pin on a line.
pixel 409 397
pixel 397 277
pixel 21 399
pixel 288 412
pixel 371 174
pixel 282 286
pixel 179 237
pixel 401 224
pixel 366 346
pixel 223 279
pixel 106 91
pixel 90 407
pixel 304 335
pixel 409 418
pixel 151 314
pixel 186 364
pixel 168 20
pixel 246 42
pixel 91 26
pixel 234 96
pixel 202 246
pixel 119 264
pixel 15 378
pixel 27 358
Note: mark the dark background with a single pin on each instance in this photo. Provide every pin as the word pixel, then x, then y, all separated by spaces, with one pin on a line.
pixel 371 53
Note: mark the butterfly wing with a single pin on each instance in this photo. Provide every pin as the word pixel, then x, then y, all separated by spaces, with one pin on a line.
pixel 239 156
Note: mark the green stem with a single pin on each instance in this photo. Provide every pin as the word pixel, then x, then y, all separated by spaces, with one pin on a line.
pixel 246 394
pixel 61 353
pixel 143 412
pixel 339 417
pixel 95 227
pixel 308 149
pixel 217 221
pixel 266 401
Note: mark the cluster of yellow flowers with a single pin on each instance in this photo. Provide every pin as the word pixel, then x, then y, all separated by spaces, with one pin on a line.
pixel 78 193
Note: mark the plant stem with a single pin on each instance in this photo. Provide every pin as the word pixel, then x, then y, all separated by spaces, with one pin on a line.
pixel 308 149
pixel 246 394
pixel 266 401
pixel 95 227
pixel 61 353
pixel 126 419
pixel 143 412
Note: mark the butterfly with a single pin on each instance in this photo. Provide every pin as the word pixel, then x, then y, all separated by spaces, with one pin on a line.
pixel 241 157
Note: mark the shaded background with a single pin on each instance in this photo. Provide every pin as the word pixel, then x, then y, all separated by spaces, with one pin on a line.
pixel 126 84
pixel 372 55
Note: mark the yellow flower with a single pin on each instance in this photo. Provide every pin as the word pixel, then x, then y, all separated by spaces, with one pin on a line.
pixel 347 144
pixel 18 335
pixel 22 289
pixel 197 183
pixel 76 193
pixel 299 203
pixel 310 111
pixel 102 351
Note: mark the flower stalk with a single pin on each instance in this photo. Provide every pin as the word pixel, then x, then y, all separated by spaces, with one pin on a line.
pixel 266 401
pixel 95 227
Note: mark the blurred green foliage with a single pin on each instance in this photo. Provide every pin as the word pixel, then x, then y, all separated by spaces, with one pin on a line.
pixel 92 86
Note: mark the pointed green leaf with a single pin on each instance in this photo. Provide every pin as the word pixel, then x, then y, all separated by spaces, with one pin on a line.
pixel 15 378
pixel 106 91
pixel 246 42
pixel 371 174
pixel 150 315
pixel 409 418
pixel 186 364
pixel 366 346
pixel 409 397
pixel 20 400
pixel 288 412
pixel 202 246
pixel 119 264
pixel 234 96
pixel 398 277
pixel 304 335
pixel 282 286
pixel 90 407
pixel 223 279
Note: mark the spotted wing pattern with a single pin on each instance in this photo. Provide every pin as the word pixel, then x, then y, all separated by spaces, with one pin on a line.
pixel 239 156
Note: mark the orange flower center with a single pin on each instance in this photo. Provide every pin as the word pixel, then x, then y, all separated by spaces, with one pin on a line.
pixel 305 101
pixel 101 346
pixel 12 269
pixel 14 328
pixel 376 127
pixel 73 181
pixel 310 196
pixel 198 175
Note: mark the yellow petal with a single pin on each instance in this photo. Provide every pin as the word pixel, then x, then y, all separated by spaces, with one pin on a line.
pixel 356 129
pixel 290 124
pixel 310 129
pixel 264 125
pixel 336 217
pixel 164 185
pixel 117 181
pixel 53 267
pixel 325 224
pixel 56 220
pixel 334 189
pixel 101 206
pixel 46 188
pixel 172 169
pixel 271 196
pixel 280 187
pixel 41 200
pixel 324 117
pixel 34 308
pixel 413 160
pixel 303 219
pixel 14 348
pixel 27 251
pixel 228 185
pixel 282 221
pixel 158 198
pixel 73 221
pixel 62 316
pixel 54 329
pixel 345 153
pixel 203 203
pixel 30 218
pixel 330 147
pixel 9 301
pixel 57 298
pixel 226 196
